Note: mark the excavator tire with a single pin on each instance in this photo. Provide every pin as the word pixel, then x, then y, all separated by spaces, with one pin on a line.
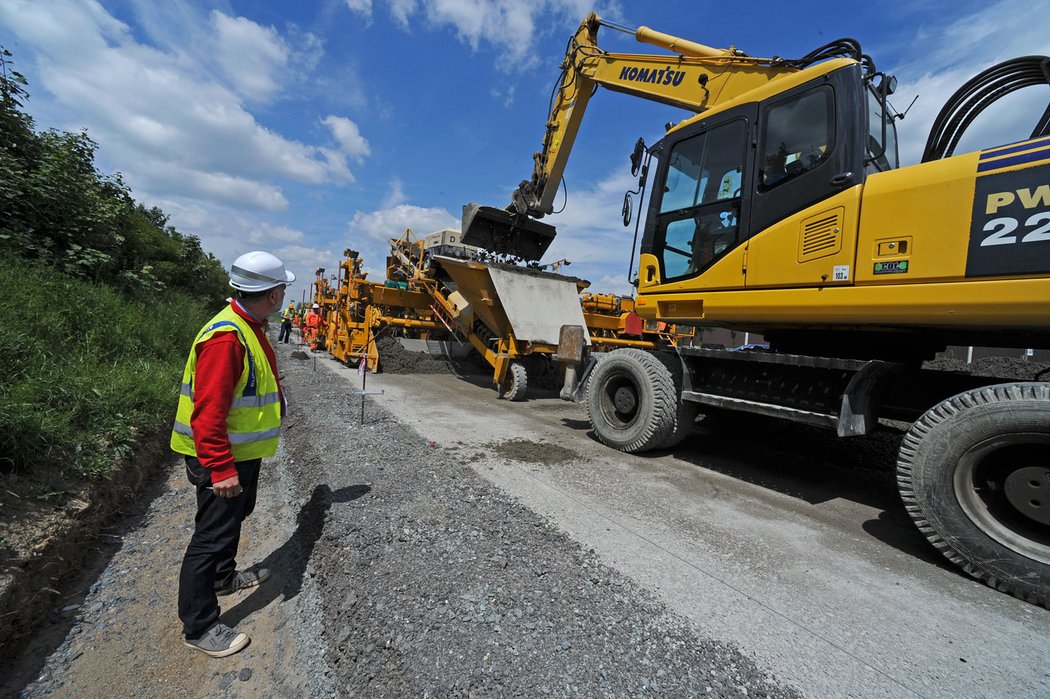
pixel 516 382
pixel 685 415
pixel 974 474
pixel 684 420
pixel 632 401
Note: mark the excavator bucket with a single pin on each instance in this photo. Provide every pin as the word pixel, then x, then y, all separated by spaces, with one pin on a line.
pixel 504 233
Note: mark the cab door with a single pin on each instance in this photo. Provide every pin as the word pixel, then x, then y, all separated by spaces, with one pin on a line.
pixel 699 212
pixel 808 183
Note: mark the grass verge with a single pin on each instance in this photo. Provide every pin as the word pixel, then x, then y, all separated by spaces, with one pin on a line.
pixel 84 370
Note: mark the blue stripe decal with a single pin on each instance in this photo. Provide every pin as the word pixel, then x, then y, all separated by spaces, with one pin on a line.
pixel 1017 148
pixel 1016 160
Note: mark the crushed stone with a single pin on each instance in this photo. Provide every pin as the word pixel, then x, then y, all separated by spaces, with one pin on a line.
pixel 395 359
pixel 532 452
pixel 433 582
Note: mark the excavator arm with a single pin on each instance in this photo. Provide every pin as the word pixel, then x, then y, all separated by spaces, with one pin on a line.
pixel 691 76
pixel 695 77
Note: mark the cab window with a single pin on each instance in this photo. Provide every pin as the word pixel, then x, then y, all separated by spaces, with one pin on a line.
pixel 797 137
pixel 879 156
pixel 698 219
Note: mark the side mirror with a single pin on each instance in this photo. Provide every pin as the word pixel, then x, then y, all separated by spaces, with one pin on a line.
pixel 636 157
pixel 887 84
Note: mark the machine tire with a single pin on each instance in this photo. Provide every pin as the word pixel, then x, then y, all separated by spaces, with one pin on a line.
pixel 516 382
pixel 684 421
pixel 632 401
pixel 974 474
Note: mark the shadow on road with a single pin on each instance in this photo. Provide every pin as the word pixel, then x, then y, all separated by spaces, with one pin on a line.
pixel 288 563
pixel 578 426
pixel 895 528
pixel 807 463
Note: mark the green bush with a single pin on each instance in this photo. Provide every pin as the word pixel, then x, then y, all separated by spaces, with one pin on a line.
pixel 87 370
pixel 99 301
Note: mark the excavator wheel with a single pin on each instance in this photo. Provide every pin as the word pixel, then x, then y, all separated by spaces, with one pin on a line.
pixel 632 401
pixel 974 474
pixel 684 420
pixel 516 382
pixel 685 414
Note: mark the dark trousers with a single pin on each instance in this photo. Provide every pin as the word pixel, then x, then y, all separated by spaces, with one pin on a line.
pixel 210 561
pixel 286 331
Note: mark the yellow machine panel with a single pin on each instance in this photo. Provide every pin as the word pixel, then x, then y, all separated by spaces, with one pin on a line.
pixel 816 246
pixel 727 273
pixel 919 219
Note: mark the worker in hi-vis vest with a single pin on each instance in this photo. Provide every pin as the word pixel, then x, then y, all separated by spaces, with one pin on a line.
pixel 286 323
pixel 228 420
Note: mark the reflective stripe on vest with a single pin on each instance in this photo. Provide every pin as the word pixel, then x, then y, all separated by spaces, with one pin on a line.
pixel 254 420
pixel 235 438
pixel 243 401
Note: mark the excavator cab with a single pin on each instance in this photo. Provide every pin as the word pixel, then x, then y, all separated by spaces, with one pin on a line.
pixel 726 177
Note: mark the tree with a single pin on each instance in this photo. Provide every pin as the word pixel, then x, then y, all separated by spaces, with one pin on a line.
pixel 56 206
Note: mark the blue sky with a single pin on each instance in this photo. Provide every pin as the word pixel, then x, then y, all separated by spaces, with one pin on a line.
pixel 305 128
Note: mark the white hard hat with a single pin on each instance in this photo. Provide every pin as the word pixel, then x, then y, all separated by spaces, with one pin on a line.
pixel 258 271
pixel 316 306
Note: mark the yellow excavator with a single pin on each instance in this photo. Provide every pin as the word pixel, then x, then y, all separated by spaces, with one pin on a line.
pixel 780 208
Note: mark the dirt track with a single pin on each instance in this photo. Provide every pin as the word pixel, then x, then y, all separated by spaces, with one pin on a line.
pixel 762 560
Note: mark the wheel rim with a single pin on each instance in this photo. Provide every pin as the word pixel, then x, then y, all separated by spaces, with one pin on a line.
pixel 1003 486
pixel 620 400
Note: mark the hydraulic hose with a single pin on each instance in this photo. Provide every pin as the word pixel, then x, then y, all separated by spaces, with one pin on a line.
pixel 979 93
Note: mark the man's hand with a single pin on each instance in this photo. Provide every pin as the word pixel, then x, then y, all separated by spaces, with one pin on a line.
pixel 229 488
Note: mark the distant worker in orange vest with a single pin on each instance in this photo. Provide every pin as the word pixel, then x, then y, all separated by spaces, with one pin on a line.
pixel 314 323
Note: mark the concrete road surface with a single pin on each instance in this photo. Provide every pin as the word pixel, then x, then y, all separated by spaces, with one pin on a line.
pixel 810 566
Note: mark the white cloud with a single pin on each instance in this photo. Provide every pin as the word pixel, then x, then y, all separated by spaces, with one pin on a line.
pixel 363 7
pixel 163 116
pixel 269 233
pixel 592 236
pixel 401 10
pixel 504 94
pixel 391 223
pixel 507 26
pixel 348 135
pixel 218 187
pixel 396 194
pixel 304 257
pixel 938 60
pixel 249 55
pixel 613 284
pixel 228 233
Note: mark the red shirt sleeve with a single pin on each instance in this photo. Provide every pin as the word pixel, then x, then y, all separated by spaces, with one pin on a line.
pixel 220 362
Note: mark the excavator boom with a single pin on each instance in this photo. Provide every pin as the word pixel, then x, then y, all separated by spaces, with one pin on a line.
pixel 693 77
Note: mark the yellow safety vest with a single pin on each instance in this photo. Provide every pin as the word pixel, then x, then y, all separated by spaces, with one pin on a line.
pixel 254 420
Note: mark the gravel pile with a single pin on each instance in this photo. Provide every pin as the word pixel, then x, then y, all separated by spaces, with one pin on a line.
pixel 435 583
pixel 395 359
pixel 535 272
pixel 1008 368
